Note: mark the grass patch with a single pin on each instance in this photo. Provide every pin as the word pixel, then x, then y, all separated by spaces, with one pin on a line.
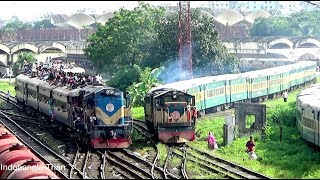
pixel 175 161
pixel 162 153
pixel 138 113
pixel 5 86
pixel 291 158
pixel 195 169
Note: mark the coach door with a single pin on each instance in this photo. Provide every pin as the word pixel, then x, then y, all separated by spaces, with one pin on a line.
pixel 148 105
pixel 202 99
pixel 160 114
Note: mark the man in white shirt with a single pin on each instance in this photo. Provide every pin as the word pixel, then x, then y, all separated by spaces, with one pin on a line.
pixel 285 96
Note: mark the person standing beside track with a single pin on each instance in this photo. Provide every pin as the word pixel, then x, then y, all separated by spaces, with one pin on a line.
pixel 250 148
pixel 285 96
pixel 212 144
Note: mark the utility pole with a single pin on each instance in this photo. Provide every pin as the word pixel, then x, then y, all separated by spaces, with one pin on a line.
pixel 185 48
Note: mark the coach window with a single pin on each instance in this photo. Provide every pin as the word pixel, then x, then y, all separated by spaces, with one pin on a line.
pixel 41 98
pixel 32 93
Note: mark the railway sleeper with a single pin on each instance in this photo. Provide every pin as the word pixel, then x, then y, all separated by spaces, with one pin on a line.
pixel 236 166
pixel 213 167
pixel 120 159
pixel 124 167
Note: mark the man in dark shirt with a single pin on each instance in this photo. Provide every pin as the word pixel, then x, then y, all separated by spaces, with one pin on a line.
pixel 250 145
pixel 250 148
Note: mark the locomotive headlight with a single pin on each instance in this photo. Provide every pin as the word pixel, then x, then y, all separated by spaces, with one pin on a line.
pixel 109 92
pixel 174 94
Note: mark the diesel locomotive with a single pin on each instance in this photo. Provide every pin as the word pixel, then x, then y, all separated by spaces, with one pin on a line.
pixel 171 114
pixel 97 116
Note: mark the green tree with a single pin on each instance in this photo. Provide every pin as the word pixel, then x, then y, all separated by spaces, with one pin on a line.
pixel 148 79
pixel 283 116
pixel 274 26
pixel 303 23
pixel 125 40
pixel 43 24
pixel 18 65
pixel 125 78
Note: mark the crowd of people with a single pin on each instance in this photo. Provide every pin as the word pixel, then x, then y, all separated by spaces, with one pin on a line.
pixel 54 73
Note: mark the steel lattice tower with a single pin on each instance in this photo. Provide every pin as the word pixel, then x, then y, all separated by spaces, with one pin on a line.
pixel 185 49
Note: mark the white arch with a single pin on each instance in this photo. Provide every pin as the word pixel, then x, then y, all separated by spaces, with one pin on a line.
pixel 5 48
pixel 256 14
pixel 281 40
pixel 59 18
pixel 79 20
pixel 105 17
pixel 229 17
pixel 24 46
pixel 308 40
pixel 54 45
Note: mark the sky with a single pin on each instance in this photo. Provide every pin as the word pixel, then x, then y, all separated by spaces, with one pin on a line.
pixel 33 10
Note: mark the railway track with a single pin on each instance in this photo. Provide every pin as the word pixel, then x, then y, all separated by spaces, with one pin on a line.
pixel 178 170
pixel 112 169
pixel 12 100
pixel 207 162
pixel 142 128
pixel 229 169
pixel 27 120
pixel 59 163
pixel 94 166
pixel 156 171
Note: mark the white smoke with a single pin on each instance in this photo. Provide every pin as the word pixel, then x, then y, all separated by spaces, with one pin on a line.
pixel 172 72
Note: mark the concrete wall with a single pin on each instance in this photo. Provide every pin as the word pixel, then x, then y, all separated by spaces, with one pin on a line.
pixel 244 109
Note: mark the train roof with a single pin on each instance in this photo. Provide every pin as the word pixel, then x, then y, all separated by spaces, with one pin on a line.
pixel 22 77
pixel 310 98
pixel 186 84
pixel 92 89
pixel 35 81
pixel 161 91
pixel 46 85
pixel 180 85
